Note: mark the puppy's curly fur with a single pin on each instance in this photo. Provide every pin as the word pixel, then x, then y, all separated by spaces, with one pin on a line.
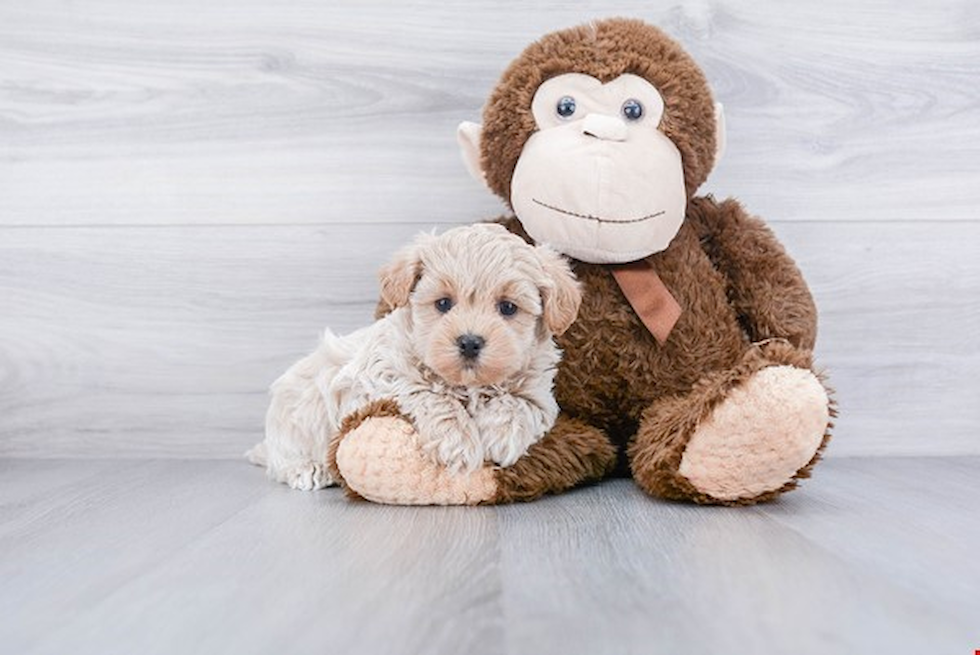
pixel 466 353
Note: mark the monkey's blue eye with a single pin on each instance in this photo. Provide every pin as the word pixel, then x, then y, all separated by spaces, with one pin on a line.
pixel 506 308
pixel 632 110
pixel 443 305
pixel 565 106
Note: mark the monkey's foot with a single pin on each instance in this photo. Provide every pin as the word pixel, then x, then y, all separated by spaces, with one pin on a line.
pixel 380 460
pixel 759 438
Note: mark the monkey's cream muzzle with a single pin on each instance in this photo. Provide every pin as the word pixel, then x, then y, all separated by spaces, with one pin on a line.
pixel 594 183
pixel 599 190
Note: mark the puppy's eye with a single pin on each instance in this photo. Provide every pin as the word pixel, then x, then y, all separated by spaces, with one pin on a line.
pixel 443 305
pixel 506 308
pixel 565 107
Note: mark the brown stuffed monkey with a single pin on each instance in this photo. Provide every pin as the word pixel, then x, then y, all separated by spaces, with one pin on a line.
pixel 690 364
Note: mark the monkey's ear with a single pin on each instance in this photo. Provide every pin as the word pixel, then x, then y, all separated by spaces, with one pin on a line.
pixel 560 292
pixel 468 136
pixel 398 277
pixel 721 138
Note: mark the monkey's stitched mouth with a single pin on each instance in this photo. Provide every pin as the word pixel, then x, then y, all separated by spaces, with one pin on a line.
pixel 590 217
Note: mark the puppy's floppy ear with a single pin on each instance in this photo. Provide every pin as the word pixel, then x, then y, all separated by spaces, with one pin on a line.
pixel 560 292
pixel 398 277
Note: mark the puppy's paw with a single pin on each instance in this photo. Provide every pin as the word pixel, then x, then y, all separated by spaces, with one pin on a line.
pixel 451 441
pixel 306 476
pixel 505 442
pixel 509 425
pixel 382 460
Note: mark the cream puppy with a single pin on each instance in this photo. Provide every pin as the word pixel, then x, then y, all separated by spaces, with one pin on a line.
pixel 466 352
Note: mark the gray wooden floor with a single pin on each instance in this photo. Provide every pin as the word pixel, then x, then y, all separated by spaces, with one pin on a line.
pixel 877 555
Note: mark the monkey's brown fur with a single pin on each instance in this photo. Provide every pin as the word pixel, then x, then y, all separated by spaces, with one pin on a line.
pixel 570 454
pixel 745 303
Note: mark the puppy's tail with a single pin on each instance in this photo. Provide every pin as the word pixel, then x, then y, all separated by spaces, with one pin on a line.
pixel 338 350
pixel 257 455
pixel 334 353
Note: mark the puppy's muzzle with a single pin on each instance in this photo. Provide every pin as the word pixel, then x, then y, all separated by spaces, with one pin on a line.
pixel 470 346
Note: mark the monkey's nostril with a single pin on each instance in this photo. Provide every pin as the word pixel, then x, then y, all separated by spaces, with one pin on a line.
pixel 607 128
pixel 470 345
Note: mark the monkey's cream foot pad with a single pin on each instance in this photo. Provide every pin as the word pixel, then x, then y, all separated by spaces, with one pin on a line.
pixel 767 430
pixel 381 460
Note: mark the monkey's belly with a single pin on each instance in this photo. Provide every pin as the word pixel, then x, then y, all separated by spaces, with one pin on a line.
pixel 613 368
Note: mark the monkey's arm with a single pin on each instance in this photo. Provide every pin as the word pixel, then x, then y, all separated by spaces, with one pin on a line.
pixel 571 453
pixel 377 455
pixel 764 284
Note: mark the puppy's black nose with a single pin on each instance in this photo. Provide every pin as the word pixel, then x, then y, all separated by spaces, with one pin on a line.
pixel 470 345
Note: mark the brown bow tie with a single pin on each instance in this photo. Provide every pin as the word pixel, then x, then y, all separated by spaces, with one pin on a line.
pixel 649 297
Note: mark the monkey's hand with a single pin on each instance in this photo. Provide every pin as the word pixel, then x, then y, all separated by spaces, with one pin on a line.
pixel 378 455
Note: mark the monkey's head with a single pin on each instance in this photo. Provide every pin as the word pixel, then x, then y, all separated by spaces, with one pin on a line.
pixel 597 136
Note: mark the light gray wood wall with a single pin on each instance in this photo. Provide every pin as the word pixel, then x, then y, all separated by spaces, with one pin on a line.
pixel 189 191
